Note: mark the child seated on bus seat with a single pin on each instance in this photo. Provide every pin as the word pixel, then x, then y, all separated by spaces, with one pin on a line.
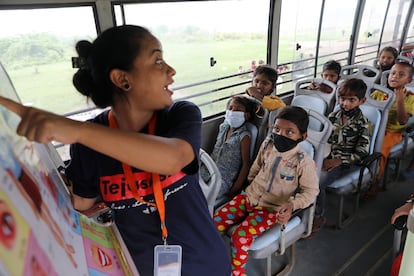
pixel 349 141
pixel 386 58
pixel 263 85
pixel 331 71
pixel 231 151
pixel 282 179
pixel 403 107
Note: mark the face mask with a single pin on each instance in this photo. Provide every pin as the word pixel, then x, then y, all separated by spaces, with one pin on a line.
pixel 350 113
pixel 283 143
pixel 234 118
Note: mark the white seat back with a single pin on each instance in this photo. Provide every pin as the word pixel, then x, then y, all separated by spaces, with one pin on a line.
pixel 301 88
pixel 383 107
pixel 210 186
pixel 254 132
pixel 360 71
pixel 314 103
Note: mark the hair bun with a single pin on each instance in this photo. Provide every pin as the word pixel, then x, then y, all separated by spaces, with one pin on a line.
pixel 83 48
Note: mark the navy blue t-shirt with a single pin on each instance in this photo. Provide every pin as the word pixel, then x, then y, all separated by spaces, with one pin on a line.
pixel 187 218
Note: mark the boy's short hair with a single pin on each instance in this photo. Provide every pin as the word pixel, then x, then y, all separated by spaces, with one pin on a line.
pixel 390 49
pixel 353 87
pixel 332 65
pixel 296 115
pixel 268 71
pixel 406 65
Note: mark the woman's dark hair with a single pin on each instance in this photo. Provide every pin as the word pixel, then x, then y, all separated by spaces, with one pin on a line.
pixel 296 115
pixel 116 47
pixel 353 87
pixel 268 71
pixel 248 104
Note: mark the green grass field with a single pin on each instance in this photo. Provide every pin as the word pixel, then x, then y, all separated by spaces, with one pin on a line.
pixel 50 86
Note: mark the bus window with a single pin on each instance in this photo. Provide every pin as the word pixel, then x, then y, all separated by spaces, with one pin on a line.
pixel 336 31
pixel 37 56
pixel 297 43
pixel 206 40
pixel 397 14
pixel 369 38
pixel 410 33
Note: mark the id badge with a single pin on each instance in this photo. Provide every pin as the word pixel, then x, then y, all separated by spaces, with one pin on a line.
pixel 167 260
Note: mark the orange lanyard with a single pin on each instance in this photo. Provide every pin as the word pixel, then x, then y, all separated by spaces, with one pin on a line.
pixel 156 183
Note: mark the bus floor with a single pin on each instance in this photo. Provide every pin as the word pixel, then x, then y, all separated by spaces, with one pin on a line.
pixel 364 247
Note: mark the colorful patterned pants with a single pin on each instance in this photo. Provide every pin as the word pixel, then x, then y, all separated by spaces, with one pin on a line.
pixel 253 221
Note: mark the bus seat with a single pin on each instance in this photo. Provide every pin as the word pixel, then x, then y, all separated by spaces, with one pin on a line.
pixel 254 132
pixel 275 240
pixel 329 98
pixel 368 73
pixel 402 58
pixel 400 152
pixel 211 186
pixel 315 103
pixel 261 123
pixel 384 77
pixel 361 178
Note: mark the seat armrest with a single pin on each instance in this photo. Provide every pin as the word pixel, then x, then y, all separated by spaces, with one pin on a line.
pixel 366 164
pixel 306 214
pixel 368 160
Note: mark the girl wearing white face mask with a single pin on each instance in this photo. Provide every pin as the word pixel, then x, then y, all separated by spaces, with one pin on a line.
pixel 232 149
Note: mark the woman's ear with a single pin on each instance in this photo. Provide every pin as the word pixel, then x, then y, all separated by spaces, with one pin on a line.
pixel 120 79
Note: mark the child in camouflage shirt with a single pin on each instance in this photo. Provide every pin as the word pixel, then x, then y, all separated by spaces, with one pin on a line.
pixel 349 141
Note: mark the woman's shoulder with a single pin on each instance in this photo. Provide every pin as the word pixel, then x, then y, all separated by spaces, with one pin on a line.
pixel 179 105
pixel 101 118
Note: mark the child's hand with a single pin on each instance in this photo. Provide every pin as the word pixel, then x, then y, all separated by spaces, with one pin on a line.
pixel 313 86
pixel 285 213
pixel 255 92
pixel 400 93
pixel 329 164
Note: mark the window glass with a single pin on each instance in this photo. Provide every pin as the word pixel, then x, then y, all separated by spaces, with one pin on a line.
pixel 410 38
pixel 299 23
pixel 410 33
pixel 206 40
pixel 36 50
pixel 370 31
pixel 336 31
pixel 396 17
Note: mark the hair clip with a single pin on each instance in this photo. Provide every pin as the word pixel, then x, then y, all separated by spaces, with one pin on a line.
pixel 79 62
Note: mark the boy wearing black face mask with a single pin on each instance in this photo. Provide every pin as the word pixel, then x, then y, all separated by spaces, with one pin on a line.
pixel 349 140
pixel 279 169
